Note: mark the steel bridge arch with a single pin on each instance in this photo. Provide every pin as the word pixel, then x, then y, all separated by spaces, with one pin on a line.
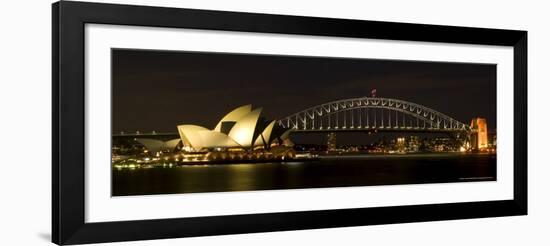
pixel 432 120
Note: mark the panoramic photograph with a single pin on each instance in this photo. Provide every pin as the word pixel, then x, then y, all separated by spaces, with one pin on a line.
pixel 193 122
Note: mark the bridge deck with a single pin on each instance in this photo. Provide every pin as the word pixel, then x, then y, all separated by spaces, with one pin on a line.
pixel 382 129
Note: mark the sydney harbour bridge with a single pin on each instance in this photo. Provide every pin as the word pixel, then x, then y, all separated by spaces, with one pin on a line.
pixel 372 114
pixel 367 114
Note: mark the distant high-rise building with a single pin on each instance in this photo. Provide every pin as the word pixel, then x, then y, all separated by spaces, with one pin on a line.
pixel 400 144
pixel 413 144
pixel 479 139
pixel 331 141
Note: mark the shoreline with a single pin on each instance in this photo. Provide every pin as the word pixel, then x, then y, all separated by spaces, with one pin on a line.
pixel 160 163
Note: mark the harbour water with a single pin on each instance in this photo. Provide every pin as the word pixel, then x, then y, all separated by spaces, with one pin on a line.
pixel 327 171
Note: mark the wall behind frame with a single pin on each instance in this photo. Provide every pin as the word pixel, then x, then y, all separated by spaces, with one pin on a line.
pixel 25 111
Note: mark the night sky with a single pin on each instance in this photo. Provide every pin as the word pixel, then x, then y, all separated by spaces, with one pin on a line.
pixel 157 90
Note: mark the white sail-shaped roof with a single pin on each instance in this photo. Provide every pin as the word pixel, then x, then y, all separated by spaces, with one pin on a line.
pixel 152 145
pixel 213 139
pixel 190 135
pixel 243 131
pixel 172 144
pixel 234 115
pixel 265 137
pixel 199 137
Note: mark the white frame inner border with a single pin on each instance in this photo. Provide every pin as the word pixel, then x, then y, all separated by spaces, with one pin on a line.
pixel 101 207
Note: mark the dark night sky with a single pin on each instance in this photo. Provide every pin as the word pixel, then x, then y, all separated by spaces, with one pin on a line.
pixel 157 90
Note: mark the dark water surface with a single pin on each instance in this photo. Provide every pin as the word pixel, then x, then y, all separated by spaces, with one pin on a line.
pixel 360 170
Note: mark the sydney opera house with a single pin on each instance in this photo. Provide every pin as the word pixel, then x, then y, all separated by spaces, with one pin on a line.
pixel 243 128
pixel 242 134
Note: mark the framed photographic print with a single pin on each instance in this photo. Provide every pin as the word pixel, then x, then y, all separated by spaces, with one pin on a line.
pixel 176 122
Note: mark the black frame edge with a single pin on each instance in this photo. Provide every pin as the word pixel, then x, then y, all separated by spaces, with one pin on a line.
pixel 55 123
pixel 238 224
pixel 520 123
pixel 102 13
pixel 69 128
pixel 68 224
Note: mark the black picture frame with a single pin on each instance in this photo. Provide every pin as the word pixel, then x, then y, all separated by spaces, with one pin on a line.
pixel 68 107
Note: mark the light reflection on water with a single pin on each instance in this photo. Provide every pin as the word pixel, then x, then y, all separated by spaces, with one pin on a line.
pixel 350 170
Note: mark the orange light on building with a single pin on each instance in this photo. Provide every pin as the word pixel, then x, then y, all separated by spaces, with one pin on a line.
pixel 481 139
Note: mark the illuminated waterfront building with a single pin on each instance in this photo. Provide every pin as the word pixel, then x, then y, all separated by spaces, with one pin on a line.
pixel 479 139
pixel 400 145
pixel 242 128
pixel 413 144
